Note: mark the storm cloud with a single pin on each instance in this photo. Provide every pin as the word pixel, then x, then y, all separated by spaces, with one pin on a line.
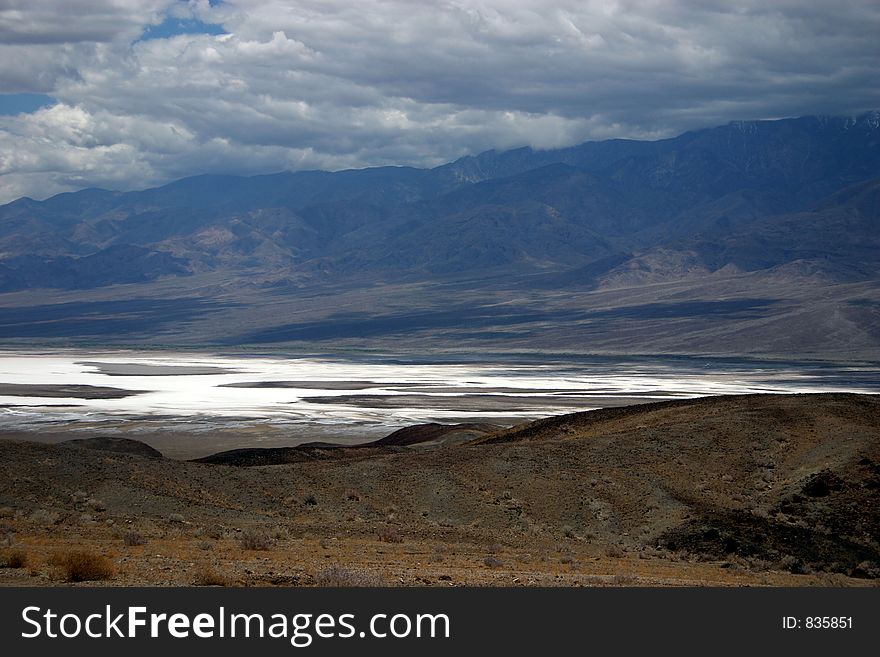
pixel 148 91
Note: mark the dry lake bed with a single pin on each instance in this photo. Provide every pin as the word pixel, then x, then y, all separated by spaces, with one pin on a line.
pixel 192 404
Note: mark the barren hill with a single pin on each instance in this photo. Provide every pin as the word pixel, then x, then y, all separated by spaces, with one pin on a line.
pixel 115 444
pixel 733 490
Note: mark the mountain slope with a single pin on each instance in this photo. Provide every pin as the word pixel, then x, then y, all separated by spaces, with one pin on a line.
pixel 764 210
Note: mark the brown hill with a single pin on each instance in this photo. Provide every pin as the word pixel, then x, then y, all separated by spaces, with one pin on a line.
pixel 791 476
pixel 114 444
pixel 428 435
pixel 255 456
pixel 435 434
pixel 757 489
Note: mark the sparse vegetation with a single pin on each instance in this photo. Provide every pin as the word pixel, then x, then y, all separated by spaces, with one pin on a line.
pixel 615 552
pixel 792 564
pixel 389 535
pixel 492 562
pixel 13 559
pixel 310 500
pixel 133 539
pixel 45 517
pixel 253 539
pixel 867 570
pixel 81 566
pixel 206 576
pixel 337 576
pixel 7 534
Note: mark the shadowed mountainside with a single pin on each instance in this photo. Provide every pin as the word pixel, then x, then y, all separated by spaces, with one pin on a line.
pixel 500 250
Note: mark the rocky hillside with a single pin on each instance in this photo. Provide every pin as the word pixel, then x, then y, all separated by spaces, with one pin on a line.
pixel 748 490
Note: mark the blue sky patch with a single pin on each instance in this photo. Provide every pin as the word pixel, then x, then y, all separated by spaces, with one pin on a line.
pixel 172 27
pixel 23 103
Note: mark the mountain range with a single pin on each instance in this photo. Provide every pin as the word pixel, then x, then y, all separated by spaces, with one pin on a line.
pixel 757 237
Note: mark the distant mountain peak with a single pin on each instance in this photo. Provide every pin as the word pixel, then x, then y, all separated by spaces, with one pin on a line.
pixel 762 204
pixel 870 119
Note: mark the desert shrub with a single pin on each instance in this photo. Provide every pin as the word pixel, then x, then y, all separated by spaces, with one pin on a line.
pixel 867 570
pixel 792 564
pixel 176 518
pixel 83 566
pixel 389 535
pixel 13 559
pixel 256 540
pixel 352 496
pixel 492 562
pixel 45 517
pixel 566 560
pixel 337 576
pixel 624 580
pixel 206 576
pixel 133 538
pixel 206 545
pixel 615 552
pixel 310 500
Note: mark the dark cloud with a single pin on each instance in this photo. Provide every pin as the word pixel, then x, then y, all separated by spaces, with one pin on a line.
pixel 46 22
pixel 348 83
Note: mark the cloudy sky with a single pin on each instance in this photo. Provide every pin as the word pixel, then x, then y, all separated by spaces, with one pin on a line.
pixel 126 94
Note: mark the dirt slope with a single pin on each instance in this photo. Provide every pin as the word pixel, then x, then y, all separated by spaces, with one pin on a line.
pixel 752 489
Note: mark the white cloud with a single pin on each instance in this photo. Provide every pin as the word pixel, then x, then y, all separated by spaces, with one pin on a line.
pixel 345 83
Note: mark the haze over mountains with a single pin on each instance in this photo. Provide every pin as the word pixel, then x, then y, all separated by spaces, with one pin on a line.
pixel 758 237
